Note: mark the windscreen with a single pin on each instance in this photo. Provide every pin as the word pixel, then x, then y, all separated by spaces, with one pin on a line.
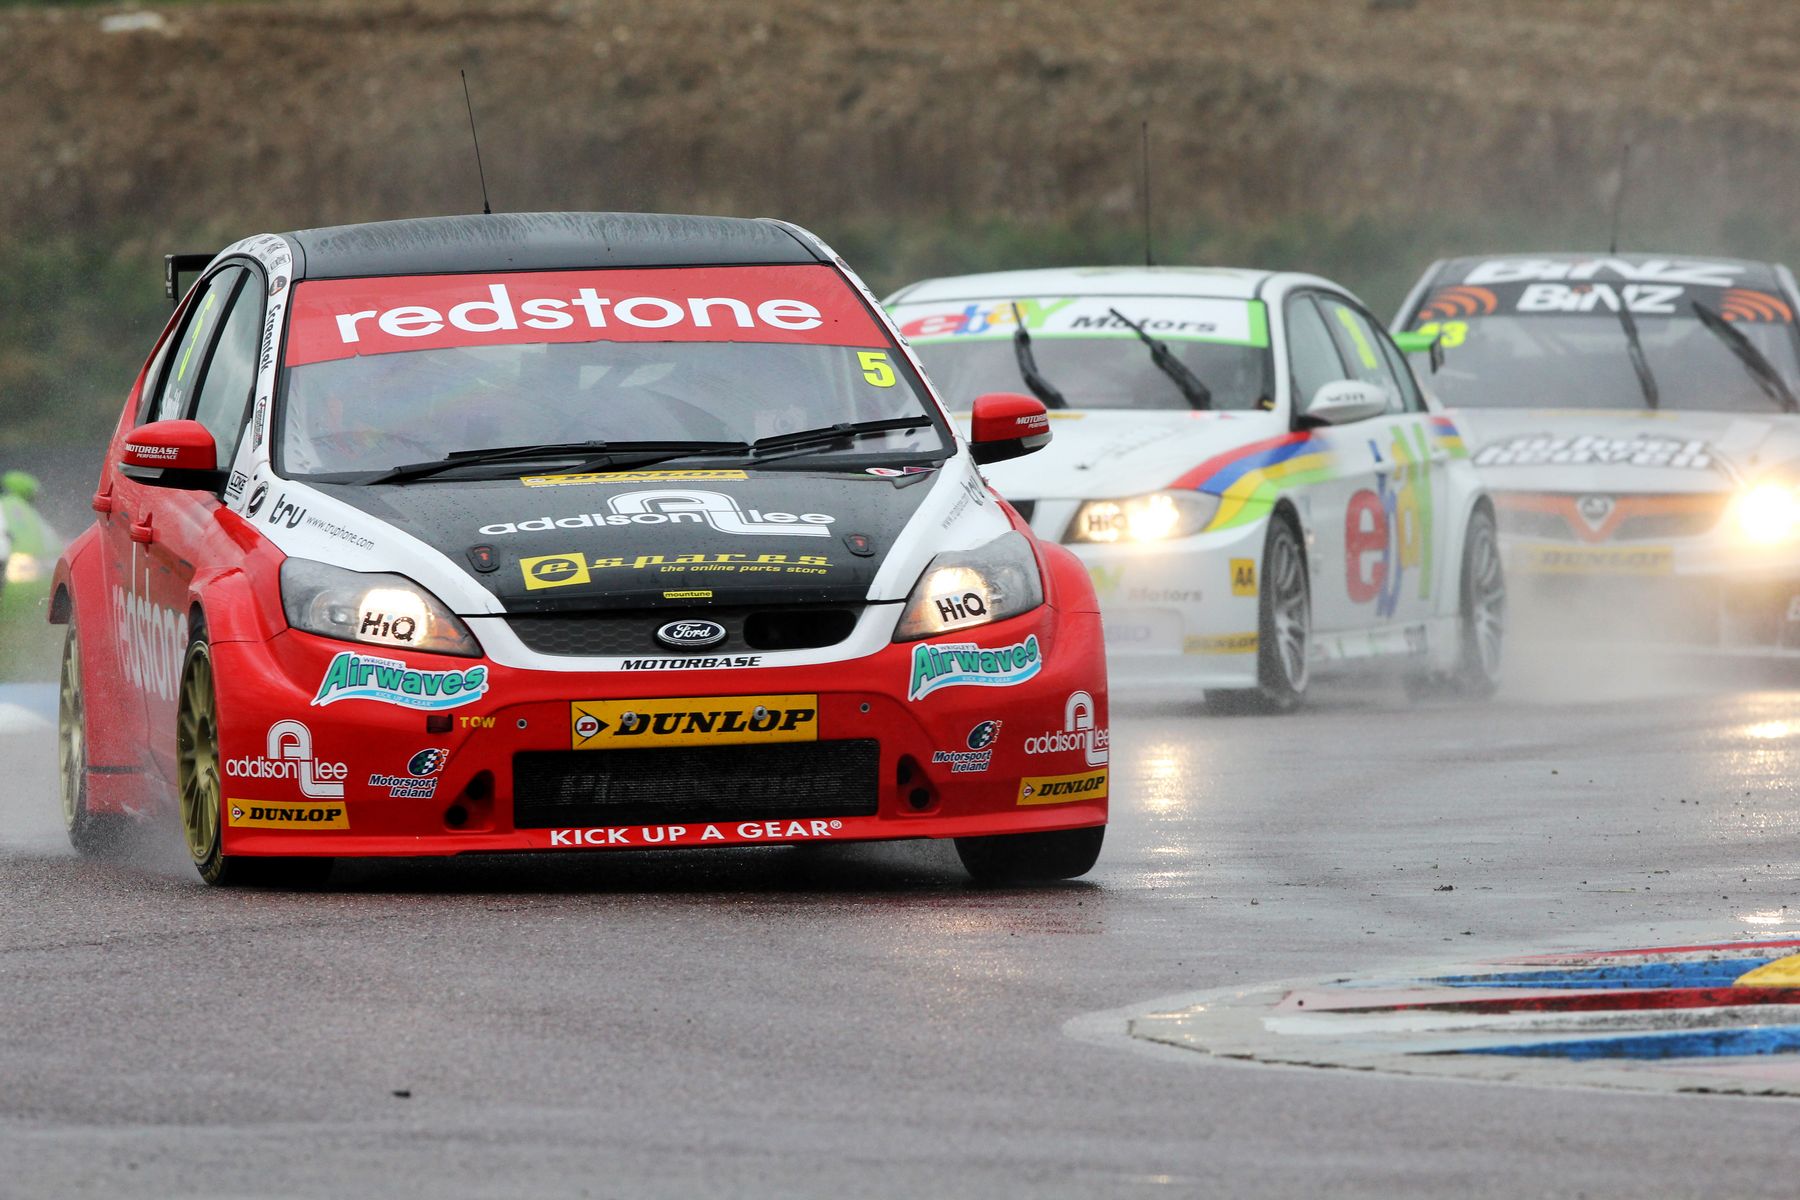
pixel 1513 339
pixel 387 371
pixel 1088 354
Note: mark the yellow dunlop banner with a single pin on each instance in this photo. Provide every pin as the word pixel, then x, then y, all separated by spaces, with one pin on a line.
pixel 693 721
pixel 1592 560
pixel 256 814
pixel 1061 789
pixel 1220 643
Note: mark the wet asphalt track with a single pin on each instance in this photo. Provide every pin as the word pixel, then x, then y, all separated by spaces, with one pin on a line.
pixel 843 1021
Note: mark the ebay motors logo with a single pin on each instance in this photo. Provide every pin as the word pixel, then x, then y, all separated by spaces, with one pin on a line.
pixel 994 317
pixel 1079 733
pixel 290 758
pixel 358 677
pixel 969 665
pixel 1387 529
pixel 674 506
pixel 811 305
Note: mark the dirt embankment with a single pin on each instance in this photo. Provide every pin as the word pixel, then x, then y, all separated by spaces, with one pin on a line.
pixel 282 115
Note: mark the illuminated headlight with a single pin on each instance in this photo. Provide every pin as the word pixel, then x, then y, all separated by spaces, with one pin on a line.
pixel 381 610
pixel 1768 513
pixel 1152 518
pixel 24 568
pixel 966 588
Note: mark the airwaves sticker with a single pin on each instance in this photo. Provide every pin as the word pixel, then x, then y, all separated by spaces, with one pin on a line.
pixel 1061 789
pixel 694 721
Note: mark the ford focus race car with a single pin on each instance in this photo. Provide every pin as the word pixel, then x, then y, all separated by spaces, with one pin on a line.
pixel 561 532
pixel 1634 417
pixel 1246 465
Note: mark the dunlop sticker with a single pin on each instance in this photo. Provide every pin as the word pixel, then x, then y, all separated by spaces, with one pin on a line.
pixel 254 814
pixel 692 721
pixel 1594 560
pixel 1220 643
pixel 1062 789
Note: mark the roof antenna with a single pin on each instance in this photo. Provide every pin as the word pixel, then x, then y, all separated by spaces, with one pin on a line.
pixel 1619 196
pixel 486 211
pixel 1146 158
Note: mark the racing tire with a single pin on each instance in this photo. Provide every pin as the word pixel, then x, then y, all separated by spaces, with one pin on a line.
pixel 92 834
pixel 1031 857
pixel 1481 621
pixel 1482 607
pixel 1284 629
pixel 200 793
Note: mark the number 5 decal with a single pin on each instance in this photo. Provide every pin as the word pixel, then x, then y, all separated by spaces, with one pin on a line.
pixel 876 368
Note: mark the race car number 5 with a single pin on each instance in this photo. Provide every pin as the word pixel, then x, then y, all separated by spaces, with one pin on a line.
pixel 876 368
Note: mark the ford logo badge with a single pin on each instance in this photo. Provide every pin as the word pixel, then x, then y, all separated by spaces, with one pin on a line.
pixel 691 635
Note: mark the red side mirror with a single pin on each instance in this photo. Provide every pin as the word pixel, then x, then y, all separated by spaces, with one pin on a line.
pixel 179 453
pixel 1006 425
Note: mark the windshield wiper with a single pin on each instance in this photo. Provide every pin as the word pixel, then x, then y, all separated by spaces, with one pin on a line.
pixel 1635 350
pixel 592 454
pixel 805 439
pixel 1197 393
pixel 1040 387
pixel 1755 361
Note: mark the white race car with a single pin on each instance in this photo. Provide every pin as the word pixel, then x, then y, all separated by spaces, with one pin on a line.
pixel 1634 417
pixel 1245 462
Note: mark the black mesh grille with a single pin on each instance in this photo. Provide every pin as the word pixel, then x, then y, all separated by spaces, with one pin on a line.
pixel 695 783
pixel 634 631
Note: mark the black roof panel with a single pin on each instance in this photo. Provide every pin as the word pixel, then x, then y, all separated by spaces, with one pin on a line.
pixel 540 242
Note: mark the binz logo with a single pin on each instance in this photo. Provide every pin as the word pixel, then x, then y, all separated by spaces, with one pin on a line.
pixel 677 506
pixel 1079 732
pixel 290 757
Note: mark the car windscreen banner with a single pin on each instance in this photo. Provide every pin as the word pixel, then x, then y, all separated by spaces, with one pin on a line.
pixel 1171 318
pixel 794 305
pixel 1527 287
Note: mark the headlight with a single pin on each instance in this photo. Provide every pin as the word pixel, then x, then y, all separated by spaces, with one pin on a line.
pixel 966 588
pixel 1768 513
pixel 1151 518
pixel 381 610
pixel 24 568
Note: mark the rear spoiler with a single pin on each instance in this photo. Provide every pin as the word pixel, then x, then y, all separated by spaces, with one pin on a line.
pixel 177 265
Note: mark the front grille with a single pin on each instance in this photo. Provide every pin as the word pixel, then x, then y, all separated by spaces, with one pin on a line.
pixel 633 631
pixel 695 784
pixel 1632 518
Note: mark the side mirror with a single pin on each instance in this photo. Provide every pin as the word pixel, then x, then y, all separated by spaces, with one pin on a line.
pixel 1345 401
pixel 1006 425
pixel 22 484
pixel 177 454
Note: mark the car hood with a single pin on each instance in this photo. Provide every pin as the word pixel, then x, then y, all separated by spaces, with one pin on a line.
pixel 1098 453
pixel 1625 451
pixel 645 539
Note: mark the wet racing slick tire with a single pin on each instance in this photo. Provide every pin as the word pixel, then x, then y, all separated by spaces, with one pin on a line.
pixel 91 833
pixel 1284 628
pixel 1031 857
pixel 200 794
pixel 1481 627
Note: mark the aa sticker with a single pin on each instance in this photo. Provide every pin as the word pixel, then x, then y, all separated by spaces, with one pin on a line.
pixel 250 814
pixel 1061 789
pixel 1243 577
pixel 693 721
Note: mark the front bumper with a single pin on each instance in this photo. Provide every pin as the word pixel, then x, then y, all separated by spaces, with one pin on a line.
pixel 540 760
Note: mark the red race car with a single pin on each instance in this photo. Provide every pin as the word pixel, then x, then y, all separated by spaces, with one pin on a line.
pixel 561 532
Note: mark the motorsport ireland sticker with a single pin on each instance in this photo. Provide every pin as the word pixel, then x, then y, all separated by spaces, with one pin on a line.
pixel 360 677
pixel 964 664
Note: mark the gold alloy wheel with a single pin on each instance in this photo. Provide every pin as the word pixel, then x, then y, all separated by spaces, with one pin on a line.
pixel 197 756
pixel 71 732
